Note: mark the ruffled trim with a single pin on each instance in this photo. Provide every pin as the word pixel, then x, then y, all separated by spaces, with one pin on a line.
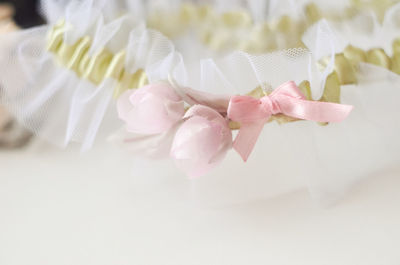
pixel 56 103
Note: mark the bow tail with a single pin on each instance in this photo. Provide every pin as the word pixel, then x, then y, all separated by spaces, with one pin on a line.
pixel 316 110
pixel 247 137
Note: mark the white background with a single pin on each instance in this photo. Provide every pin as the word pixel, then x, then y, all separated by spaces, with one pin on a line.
pixel 57 207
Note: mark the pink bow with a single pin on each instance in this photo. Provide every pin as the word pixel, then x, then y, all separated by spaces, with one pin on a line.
pixel 287 99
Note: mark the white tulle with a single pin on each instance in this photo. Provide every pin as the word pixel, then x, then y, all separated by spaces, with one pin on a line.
pixel 59 106
pixel 363 31
pixel 328 160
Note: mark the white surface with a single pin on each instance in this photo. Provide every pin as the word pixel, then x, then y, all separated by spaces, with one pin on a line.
pixel 57 207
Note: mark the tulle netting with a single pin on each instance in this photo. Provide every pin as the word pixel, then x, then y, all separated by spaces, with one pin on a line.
pixel 59 106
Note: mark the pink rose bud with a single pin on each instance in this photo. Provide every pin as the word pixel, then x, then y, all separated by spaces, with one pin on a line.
pixel 202 141
pixel 152 109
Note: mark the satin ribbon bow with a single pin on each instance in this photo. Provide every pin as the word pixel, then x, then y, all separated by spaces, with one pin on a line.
pixel 253 113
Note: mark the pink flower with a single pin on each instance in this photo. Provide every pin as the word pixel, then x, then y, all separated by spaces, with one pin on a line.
pixel 152 109
pixel 202 141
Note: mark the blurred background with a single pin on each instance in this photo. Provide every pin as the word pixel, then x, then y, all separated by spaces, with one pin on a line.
pixel 16 14
pixel 24 12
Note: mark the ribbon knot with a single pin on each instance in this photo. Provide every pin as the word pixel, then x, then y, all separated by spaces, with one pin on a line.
pixel 253 113
pixel 270 105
